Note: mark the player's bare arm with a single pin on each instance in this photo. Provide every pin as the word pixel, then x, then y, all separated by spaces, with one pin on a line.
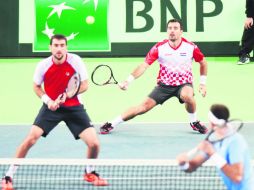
pixel 190 165
pixel 38 90
pixel 134 75
pixel 203 74
pixel 234 171
pixel 140 70
pixel 83 86
pixel 52 105
pixel 248 23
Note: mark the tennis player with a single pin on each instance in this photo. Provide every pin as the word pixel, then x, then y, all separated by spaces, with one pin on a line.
pixel 54 73
pixel 175 77
pixel 231 155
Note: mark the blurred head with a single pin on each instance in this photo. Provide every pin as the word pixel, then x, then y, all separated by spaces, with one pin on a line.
pixel 58 46
pixel 218 115
pixel 174 30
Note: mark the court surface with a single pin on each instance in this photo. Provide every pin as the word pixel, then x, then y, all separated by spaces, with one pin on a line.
pixel 162 133
pixel 135 141
pixel 127 141
pixel 227 83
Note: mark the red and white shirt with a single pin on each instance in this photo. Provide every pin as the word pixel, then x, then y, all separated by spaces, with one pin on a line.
pixel 175 63
pixel 56 76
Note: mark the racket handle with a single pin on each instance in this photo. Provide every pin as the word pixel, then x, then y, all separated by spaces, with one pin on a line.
pixel 61 97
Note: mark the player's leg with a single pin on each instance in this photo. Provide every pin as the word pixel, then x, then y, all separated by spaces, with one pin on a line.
pixel 247 45
pixel 34 134
pixel 32 137
pixel 159 95
pixel 144 107
pixel 187 96
pixel 80 125
pixel 45 121
pixel 43 124
pixel 89 136
pixel 130 113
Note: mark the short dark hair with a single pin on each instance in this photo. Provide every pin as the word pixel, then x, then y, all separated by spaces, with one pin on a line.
pixel 175 20
pixel 220 111
pixel 58 37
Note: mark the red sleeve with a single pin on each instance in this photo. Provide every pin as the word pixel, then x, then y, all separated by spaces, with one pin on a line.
pixel 152 55
pixel 197 54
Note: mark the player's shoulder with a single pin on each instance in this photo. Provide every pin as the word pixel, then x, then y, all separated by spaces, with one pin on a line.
pixel 238 139
pixel 160 43
pixel 73 57
pixel 46 61
pixel 188 42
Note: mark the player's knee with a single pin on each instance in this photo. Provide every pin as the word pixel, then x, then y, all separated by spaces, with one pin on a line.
pixel 188 98
pixel 30 141
pixel 95 145
pixel 144 108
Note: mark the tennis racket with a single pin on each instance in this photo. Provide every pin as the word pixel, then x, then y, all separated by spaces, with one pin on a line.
pixel 103 75
pixel 73 86
pixel 71 90
pixel 233 126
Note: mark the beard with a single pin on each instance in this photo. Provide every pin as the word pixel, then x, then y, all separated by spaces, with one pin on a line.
pixel 58 56
pixel 172 39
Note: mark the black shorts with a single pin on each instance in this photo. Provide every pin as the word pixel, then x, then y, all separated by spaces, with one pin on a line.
pixel 75 118
pixel 163 92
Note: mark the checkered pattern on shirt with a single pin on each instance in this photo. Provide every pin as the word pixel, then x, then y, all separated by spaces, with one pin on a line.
pixel 175 63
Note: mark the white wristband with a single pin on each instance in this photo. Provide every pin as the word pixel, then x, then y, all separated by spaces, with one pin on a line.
pixel 130 78
pixel 203 79
pixel 218 160
pixel 45 98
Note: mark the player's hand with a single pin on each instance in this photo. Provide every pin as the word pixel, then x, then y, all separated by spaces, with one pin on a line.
pixel 202 89
pixel 53 105
pixel 61 98
pixel 248 23
pixel 123 85
pixel 182 159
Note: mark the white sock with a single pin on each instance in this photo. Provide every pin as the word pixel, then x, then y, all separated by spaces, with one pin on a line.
pixel 117 121
pixel 12 170
pixel 193 117
pixel 90 169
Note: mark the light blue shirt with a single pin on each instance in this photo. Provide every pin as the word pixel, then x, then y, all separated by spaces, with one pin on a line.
pixel 234 149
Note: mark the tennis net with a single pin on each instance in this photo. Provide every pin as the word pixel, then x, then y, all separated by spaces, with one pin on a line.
pixel 60 174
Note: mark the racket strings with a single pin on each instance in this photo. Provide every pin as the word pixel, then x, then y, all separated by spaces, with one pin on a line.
pixel 73 86
pixel 102 75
